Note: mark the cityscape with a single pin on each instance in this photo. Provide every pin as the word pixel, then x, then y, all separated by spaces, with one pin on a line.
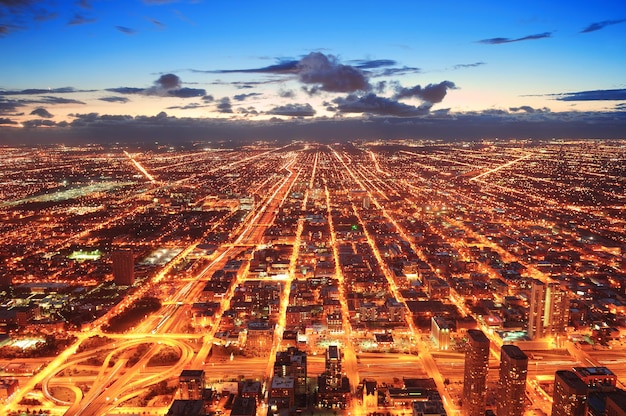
pixel 364 277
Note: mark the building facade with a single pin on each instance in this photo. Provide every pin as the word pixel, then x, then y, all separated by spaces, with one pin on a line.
pixel 512 381
pixel 475 374
pixel 570 395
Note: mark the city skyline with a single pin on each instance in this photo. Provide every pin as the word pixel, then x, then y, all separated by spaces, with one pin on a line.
pixel 176 70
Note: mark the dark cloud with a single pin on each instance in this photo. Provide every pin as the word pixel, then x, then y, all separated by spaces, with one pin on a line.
pixel 373 104
pixel 286 93
pixel 208 98
pixel 7 121
pixel 462 66
pixel 528 109
pixel 498 41
pixel 126 90
pixel 41 112
pixel 168 81
pixel 224 105
pixel 293 110
pixel 191 106
pixel 322 71
pixel 126 30
pixel 380 87
pixel 387 72
pixel 620 107
pixel 9 106
pixel 114 99
pixel 434 125
pixel 432 93
pixel 595 95
pixel 327 73
pixel 85 4
pixel 79 19
pixel 38 123
pixel 168 85
pixel 601 25
pixel 39 91
pixel 57 100
pixel 157 23
pixel 372 64
pixel 187 92
pixel 242 97
pixel 282 67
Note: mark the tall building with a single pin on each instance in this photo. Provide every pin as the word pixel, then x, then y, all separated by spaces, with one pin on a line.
pixel 512 381
pixel 191 384
pixel 333 367
pixel 549 309
pixel 570 395
pixel 123 267
pixel 475 375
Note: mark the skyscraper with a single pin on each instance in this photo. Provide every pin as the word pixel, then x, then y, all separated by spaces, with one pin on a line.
pixel 123 267
pixel 512 382
pixel 549 309
pixel 191 384
pixel 570 395
pixel 475 375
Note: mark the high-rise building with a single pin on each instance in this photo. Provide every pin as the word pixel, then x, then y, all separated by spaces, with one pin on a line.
pixel 570 395
pixel 191 384
pixel 123 267
pixel 475 375
pixel 512 381
pixel 549 309
pixel 333 366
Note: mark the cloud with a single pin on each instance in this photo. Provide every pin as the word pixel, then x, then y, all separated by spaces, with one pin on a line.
pixel 224 105
pixel 285 66
pixel 57 100
pixel 286 93
pixel 41 112
pixel 191 106
pixel 434 125
pixel 79 19
pixel 126 30
pixel 293 110
pixel 325 72
pixel 398 71
pixel 187 92
pixel 168 81
pixel 16 14
pixel 373 104
pixel 601 25
pixel 157 23
pixel 594 95
pixel 529 110
pixel 462 66
pixel 85 4
pixel 38 123
pixel 9 106
pixel 167 85
pixel 7 121
pixel 114 99
pixel 498 41
pixel 126 90
pixel 432 93
pixel 38 91
pixel 372 64
pixel 208 98
pixel 242 97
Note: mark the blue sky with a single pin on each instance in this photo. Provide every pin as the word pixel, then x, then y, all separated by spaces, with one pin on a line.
pixel 70 64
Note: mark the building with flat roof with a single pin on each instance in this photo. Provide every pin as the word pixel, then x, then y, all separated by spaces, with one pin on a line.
pixel 549 309
pixel 570 395
pixel 123 267
pixel 191 384
pixel 475 374
pixel 512 381
pixel 597 378
pixel 440 332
